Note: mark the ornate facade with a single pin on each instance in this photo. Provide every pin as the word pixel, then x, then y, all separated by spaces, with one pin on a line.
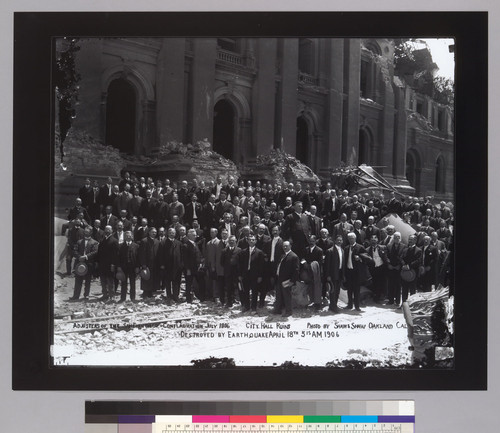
pixel 326 101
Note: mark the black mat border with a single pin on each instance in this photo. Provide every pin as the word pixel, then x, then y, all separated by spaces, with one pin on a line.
pixel 32 200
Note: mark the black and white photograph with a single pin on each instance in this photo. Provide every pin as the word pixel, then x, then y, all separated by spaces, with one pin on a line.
pixel 277 202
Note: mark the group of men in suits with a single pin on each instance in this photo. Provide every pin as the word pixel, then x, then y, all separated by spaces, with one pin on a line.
pixel 244 240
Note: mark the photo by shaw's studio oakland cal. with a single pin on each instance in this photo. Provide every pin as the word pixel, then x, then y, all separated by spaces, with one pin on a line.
pixel 253 202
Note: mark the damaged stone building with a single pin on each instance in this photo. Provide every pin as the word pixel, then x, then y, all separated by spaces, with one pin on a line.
pixel 325 101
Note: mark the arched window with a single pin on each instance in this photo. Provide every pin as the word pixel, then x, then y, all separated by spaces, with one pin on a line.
pixel 440 175
pixel 121 116
pixel 365 143
pixel 224 123
pixel 413 168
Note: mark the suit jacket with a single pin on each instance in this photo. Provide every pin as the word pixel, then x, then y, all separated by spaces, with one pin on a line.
pixel 87 196
pixel 360 236
pixel 232 228
pixel 74 211
pixel 90 250
pixel 256 264
pixel 147 209
pixel 97 234
pixel 261 241
pixel 213 252
pixel 109 222
pixel 329 212
pixel 222 208
pixel 161 213
pixel 412 256
pixel 316 225
pixel 176 209
pixel 278 251
pixel 192 257
pixel 395 254
pixel 107 253
pixel 316 255
pixel 128 256
pixel 303 197
pixel 127 225
pixel 121 202
pixel 134 205
pixel 116 236
pixel 289 268
pixel 141 233
pixel 171 256
pixel 430 256
pixel 229 260
pixel 105 198
pixel 148 253
pixel 374 212
pixel 189 212
pixel 209 219
pixel 357 250
pixel 370 231
pixel 338 230
pixel 324 244
pixel 382 252
pixel 297 228
pixel 334 265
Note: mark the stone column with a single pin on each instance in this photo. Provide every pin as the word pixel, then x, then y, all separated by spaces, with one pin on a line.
pixel 249 55
pixel 334 103
pixel 350 124
pixel 399 167
pixel 170 90
pixel 287 98
pixel 247 152
pixel 263 99
pixel 147 133
pixel 202 90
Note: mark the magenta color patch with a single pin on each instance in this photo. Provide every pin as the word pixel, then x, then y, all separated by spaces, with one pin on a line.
pixel 211 418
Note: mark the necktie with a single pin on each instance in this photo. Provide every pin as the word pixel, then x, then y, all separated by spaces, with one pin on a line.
pixel 249 257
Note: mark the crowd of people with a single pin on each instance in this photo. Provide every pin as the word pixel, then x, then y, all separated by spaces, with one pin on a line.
pixel 235 242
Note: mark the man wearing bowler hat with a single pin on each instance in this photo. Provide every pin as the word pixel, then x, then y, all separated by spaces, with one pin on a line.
pixel 85 253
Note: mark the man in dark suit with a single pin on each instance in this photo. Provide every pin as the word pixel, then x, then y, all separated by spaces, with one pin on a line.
pixel 106 194
pixel 300 195
pixel 223 206
pixel 314 254
pixel 359 232
pixel 97 232
pixel 334 271
pixel 148 258
pixel 287 274
pixel 228 225
pixel 355 258
pixel 297 229
pixel 378 267
pixel 142 231
pixel 109 219
pixel 209 219
pixel 85 250
pixel 128 263
pixel 394 205
pixel 74 234
pixel 371 229
pixel 331 208
pixel 342 228
pixel 107 252
pixel 148 207
pixel 194 263
pixel 75 211
pixel 273 251
pixel 395 251
pixel 411 259
pixel 250 271
pixel 229 261
pixel 429 265
pixel 134 204
pixel 171 254
pixel 192 210
pixel 315 221
pixel 371 211
pixel 86 194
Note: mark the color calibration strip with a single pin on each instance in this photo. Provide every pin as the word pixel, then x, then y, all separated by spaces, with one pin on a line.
pixel 234 417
